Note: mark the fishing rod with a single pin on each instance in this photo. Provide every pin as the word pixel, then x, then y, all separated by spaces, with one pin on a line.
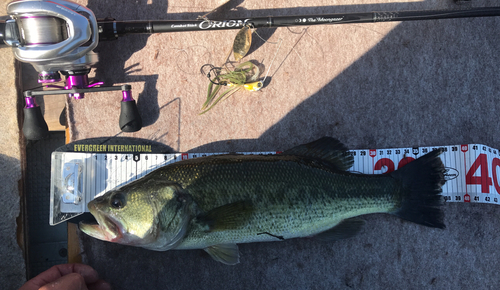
pixel 58 37
pixel 114 29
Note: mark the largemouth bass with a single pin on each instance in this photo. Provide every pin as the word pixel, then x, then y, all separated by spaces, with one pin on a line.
pixel 216 202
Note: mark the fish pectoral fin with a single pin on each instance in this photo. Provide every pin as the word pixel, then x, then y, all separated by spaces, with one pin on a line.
pixel 345 229
pixel 229 216
pixel 224 253
pixel 326 148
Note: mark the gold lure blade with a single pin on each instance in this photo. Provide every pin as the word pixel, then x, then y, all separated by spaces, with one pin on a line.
pixel 242 43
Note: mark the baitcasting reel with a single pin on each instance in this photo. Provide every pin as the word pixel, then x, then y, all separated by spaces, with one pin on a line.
pixel 57 37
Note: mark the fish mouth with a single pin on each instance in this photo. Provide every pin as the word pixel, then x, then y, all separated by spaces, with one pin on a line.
pixel 102 227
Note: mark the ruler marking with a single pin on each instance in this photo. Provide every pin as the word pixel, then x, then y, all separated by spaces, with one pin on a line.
pixel 104 172
pixel 465 170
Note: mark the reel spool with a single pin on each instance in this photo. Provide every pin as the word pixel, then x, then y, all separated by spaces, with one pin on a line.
pixel 45 30
pixel 57 37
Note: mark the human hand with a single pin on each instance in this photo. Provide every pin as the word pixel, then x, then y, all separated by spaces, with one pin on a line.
pixel 67 277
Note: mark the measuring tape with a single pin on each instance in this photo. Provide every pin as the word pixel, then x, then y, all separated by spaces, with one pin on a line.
pixel 471 172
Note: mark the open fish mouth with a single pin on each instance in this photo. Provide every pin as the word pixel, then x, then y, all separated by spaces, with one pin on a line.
pixel 102 227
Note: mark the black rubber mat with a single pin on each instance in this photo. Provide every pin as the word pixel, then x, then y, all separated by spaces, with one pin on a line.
pixel 47 245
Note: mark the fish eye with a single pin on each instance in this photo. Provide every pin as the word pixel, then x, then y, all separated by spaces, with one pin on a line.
pixel 117 201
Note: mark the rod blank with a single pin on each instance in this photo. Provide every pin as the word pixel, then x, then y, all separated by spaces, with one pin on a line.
pixel 130 27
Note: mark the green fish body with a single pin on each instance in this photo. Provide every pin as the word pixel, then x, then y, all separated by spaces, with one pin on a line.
pixel 216 202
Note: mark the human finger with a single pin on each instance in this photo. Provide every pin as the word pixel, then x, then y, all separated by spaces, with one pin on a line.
pixel 99 285
pixel 73 281
pixel 88 274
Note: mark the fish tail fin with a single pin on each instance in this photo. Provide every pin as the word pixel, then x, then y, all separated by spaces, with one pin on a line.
pixel 421 198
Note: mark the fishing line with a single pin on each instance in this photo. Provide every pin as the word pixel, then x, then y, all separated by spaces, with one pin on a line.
pixel 272 61
pixel 293 47
pixel 36 88
pixel 251 26
pixel 280 40
pixel 217 70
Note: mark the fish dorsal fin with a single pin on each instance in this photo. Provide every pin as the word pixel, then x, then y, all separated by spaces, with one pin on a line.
pixel 224 253
pixel 229 216
pixel 345 229
pixel 326 148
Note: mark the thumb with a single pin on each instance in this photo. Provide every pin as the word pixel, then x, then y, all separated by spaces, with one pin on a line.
pixel 72 281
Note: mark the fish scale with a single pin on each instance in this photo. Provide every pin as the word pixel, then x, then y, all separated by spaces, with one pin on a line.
pixel 291 199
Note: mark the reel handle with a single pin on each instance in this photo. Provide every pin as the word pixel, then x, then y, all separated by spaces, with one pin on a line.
pixel 130 119
pixel 34 126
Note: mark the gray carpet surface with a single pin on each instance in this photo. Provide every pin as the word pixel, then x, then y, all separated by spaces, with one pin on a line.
pixel 370 85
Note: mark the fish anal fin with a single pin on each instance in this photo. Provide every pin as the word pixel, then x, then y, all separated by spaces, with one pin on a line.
pixel 224 253
pixel 326 148
pixel 229 216
pixel 345 229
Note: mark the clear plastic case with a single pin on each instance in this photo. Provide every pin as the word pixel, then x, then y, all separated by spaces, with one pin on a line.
pixel 66 188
